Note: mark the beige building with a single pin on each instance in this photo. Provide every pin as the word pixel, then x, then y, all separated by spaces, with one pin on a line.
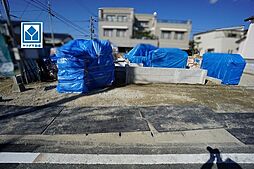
pixel 125 29
pixel 223 40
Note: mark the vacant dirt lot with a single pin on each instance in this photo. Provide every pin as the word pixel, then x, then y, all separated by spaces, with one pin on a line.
pixel 219 98
pixel 155 108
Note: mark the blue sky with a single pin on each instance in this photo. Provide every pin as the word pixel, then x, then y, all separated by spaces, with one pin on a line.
pixel 205 14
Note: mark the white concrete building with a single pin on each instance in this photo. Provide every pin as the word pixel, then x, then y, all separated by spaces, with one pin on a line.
pixel 246 46
pixel 246 49
pixel 221 40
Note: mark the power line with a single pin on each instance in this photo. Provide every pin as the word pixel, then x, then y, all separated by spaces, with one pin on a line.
pixel 76 21
pixel 80 20
pixel 54 13
pixel 36 10
pixel 27 5
pixel 38 16
pixel 42 7
pixel 80 3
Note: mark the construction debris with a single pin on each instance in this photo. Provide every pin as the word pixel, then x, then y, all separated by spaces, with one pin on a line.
pixel 194 62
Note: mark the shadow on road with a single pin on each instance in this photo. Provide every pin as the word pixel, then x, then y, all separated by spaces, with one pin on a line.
pixel 31 109
pixel 215 154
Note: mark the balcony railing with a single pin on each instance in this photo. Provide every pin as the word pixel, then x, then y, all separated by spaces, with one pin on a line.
pixel 158 20
pixel 114 20
pixel 173 21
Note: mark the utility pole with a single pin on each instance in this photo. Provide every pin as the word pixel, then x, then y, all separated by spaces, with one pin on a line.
pixel 18 84
pixel 9 25
pixel 91 27
pixel 50 20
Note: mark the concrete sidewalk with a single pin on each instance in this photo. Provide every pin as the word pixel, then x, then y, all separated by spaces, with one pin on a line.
pixel 18 120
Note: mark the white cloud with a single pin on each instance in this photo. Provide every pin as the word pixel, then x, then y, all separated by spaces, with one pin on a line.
pixel 213 1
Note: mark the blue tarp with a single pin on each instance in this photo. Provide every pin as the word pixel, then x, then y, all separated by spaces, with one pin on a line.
pixel 53 58
pixel 227 67
pixel 84 65
pixel 168 58
pixel 152 56
pixel 140 53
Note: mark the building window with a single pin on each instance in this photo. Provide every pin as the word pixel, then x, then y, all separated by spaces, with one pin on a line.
pixel 179 35
pixel 211 50
pixel 166 34
pixel 144 23
pixel 230 51
pixel 121 18
pixel 198 38
pixel 121 32
pixel 110 18
pixel 108 32
pixel 232 35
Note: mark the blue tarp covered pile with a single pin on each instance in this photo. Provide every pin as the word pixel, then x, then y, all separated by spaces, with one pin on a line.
pixel 168 57
pixel 227 67
pixel 152 56
pixel 140 53
pixel 84 65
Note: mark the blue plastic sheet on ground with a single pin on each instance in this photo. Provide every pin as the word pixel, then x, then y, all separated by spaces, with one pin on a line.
pixel 227 67
pixel 152 56
pixel 84 65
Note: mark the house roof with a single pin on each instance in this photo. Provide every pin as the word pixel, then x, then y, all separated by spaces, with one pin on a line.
pixel 249 19
pixel 115 8
pixel 58 35
pixel 46 35
pixel 59 38
pixel 235 28
pixel 14 22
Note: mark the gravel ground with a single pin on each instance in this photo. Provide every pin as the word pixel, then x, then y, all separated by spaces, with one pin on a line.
pixel 219 98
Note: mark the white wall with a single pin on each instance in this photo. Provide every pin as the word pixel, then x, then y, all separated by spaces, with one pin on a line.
pixel 215 40
pixel 229 44
pixel 207 41
pixel 241 45
pixel 247 50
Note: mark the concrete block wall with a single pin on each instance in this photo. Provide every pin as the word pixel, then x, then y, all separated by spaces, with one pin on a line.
pixel 165 75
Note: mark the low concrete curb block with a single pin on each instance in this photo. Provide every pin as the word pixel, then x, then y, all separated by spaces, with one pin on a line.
pixel 165 75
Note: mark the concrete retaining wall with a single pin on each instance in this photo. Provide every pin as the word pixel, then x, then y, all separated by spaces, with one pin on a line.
pixel 165 75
